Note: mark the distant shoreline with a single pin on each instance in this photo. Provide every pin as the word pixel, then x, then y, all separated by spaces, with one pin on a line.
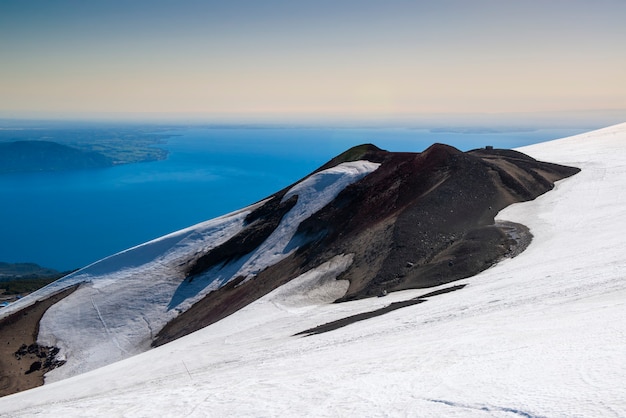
pixel 52 219
pixel 109 145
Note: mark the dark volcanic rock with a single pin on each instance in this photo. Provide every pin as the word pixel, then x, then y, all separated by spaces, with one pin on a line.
pixel 340 323
pixel 19 350
pixel 259 226
pixel 434 210
pixel 419 220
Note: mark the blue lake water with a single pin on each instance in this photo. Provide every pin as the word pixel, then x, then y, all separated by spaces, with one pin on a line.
pixel 70 219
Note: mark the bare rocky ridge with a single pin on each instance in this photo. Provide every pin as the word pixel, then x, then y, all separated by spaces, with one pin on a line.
pixel 23 362
pixel 419 220
pixel 259 226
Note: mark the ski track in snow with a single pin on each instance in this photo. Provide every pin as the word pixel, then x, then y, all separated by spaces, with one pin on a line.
pixel 543 334
pixel 485 408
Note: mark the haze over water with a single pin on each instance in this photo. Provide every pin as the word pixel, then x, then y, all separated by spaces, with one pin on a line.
pixel 67 220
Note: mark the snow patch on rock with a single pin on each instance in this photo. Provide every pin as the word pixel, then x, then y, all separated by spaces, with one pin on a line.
pixel 315 192
pixel 315 287
pixel 122 301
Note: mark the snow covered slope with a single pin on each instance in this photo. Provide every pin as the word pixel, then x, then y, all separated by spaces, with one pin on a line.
pixel 542 334
pixel 125 299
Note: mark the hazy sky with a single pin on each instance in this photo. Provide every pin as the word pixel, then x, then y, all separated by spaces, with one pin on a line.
pixel 293 58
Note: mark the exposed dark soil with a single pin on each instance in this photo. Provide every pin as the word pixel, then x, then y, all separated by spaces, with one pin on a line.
pixel 419 220
pixel 340 323
pixel 259 226
pixel 23 362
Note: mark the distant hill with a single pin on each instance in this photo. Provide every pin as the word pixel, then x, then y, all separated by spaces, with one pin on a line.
pixel 17 270
pixel 20 279
pixel 34 156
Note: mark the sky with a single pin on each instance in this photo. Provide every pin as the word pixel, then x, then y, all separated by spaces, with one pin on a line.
pixel 290 59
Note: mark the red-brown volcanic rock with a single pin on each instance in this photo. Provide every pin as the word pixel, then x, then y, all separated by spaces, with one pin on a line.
pixel 419 220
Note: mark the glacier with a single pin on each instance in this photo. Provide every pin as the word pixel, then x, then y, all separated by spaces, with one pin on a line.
pixel 125 299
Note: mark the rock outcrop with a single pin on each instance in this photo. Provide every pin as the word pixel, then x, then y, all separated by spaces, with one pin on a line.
pixel 419 220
